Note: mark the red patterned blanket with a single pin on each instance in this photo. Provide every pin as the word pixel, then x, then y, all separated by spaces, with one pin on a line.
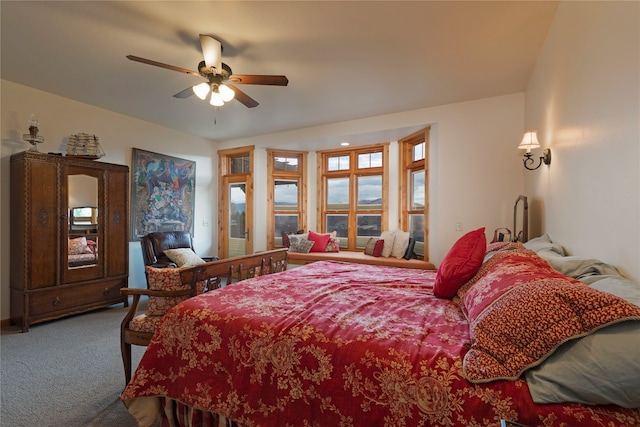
pixel 336 344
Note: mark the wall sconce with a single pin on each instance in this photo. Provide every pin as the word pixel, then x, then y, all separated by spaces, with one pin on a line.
pixel 529 142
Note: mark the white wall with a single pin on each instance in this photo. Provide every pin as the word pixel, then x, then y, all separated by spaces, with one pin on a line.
pixel 475 173
pixel 61 117
pixel 475 166
pixel 583 98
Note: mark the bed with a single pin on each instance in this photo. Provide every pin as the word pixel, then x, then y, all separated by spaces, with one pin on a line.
pixel 341 344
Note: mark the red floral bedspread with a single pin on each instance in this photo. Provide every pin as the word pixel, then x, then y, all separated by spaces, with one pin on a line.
pixel 335 344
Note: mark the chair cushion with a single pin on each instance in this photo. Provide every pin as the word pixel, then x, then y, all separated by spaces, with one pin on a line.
pixel 144 323
pixel 166 279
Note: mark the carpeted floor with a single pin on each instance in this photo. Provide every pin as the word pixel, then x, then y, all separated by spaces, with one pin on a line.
pixel 66 372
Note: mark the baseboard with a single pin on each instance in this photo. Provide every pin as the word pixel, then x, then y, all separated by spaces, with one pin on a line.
pixel 5 323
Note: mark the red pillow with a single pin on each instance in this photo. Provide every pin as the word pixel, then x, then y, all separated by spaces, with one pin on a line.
pixel 460 264
pixel 319 241
pixel 377 250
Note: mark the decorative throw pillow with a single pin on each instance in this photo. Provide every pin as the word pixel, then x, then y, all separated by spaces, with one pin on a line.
pixel 388 237
pixel 319 241
pixel 410 248
pixel 295 238
pixel 400 243
pixel 285 240
pixel 184 257
pixel 377 251
pixel 92 247
pixel 333 245
pixel 78 246
pixel 371 245
pixel 460 264
pixel 301 245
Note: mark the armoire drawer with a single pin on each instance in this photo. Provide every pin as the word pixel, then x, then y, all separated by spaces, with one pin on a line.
pixel 62 298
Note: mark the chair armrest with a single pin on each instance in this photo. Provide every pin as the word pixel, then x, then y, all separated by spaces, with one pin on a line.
pixel 137 293
pixel 154 293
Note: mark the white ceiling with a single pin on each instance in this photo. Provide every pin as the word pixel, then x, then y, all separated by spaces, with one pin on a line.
pixel 344 60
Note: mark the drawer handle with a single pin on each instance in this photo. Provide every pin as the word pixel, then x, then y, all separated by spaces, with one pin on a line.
pixel 56 302
pixel 105 292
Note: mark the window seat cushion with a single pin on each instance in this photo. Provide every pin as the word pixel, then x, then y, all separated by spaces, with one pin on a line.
pixel 359 258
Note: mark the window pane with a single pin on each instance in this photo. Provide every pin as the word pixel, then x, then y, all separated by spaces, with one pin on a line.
pixel 368 226
pixel 338 163
pixel 370 192
pixel 287 224
pixel 339 224
pixel 369 160
pixel 285 195
pixel 416 230
pixel 237 209
pixel 338 194
pixel 239 164
pixel 417 190
pixel 418 151
pixel 288 164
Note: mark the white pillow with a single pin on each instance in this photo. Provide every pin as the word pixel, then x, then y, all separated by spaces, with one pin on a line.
pixel 400 243
pixel 184 257
pixel 388 237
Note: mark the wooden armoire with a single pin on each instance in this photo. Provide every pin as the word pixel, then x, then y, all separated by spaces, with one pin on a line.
pixel 45 190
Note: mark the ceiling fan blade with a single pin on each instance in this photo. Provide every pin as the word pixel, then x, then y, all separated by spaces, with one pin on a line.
pixel 162 65
pixel 248 79
pixel 244 98
pixel 212 51
pixel 184 93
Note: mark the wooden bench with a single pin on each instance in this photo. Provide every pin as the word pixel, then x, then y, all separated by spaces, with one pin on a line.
pixel 359 258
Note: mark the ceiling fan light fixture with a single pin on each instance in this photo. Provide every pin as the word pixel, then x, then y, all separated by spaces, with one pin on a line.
pixel 216 99
pixel 201 90
pixel 226 93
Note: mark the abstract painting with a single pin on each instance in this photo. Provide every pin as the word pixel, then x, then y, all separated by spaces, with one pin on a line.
pixel 162 192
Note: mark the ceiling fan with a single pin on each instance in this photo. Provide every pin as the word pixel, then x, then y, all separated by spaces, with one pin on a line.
pixel 218 76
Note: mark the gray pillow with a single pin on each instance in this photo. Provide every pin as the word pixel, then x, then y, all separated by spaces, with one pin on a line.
pixel 616 285
pixel 545 245
pixel 599 369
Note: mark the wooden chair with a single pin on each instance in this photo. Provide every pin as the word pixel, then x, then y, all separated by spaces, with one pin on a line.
pixel 173 285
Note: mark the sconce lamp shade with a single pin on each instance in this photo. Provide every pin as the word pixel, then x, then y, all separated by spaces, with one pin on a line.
pixel 529 141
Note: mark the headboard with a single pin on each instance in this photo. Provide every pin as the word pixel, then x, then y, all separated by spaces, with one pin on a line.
pixel 522 235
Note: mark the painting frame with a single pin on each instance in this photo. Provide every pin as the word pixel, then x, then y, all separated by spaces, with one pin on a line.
pixel 162 193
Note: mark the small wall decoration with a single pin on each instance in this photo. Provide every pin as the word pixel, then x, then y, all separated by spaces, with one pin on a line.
pixel 162 192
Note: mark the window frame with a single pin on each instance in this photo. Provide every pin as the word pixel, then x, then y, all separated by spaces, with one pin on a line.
pixel 352 173
pixel 274 175
pixel 407 166
pixel 225 176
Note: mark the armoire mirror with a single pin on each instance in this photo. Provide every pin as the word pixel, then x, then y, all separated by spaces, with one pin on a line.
pixel 83 223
